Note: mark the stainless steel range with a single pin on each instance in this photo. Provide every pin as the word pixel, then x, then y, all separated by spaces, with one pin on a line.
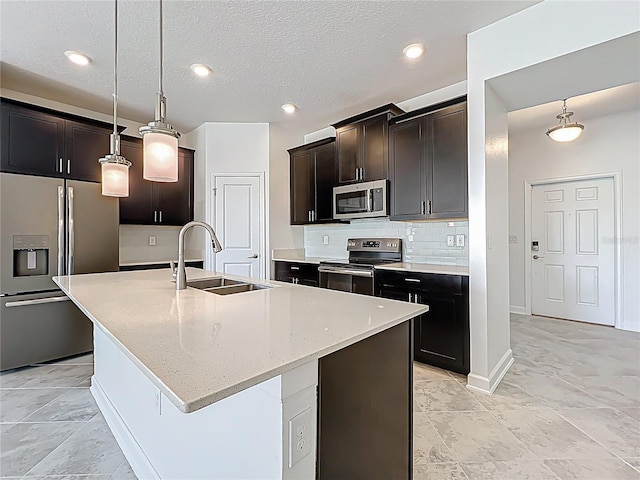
pixel 355 274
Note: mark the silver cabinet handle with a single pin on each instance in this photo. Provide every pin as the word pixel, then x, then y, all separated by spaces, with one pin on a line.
pixel 357 174
pixel 410 300
pixel 60 165
pixel 295 268
pixel 416 298
pixel 309 215
pixel 155 216
pixel 36 301
pixel 313 216
pixel 429 204
pixel 536 257
pixel 362 173
pixel 255 255
pixel 423 207
pixel 412 280
pixel 68 166
pixel 160 216
pixel 60 230
pixel 71 231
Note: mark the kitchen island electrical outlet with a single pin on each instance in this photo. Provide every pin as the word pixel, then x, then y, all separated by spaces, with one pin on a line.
pixel 152 240
pixel 325 239
pixel 450 241
pixel 299 437
pixel 460 240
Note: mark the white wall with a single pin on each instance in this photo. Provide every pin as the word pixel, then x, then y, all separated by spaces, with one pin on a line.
pixel 609 144
pixel 532 36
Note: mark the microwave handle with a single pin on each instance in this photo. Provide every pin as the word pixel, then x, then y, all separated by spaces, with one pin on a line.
pixel 370 201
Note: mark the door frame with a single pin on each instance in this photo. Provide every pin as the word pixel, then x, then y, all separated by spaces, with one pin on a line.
pixel 211 218
pixel 616 176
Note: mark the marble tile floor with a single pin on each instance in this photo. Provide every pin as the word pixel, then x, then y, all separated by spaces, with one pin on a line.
pixel 569 408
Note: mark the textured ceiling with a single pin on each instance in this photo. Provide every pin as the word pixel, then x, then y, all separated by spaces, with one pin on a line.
pixel 332 58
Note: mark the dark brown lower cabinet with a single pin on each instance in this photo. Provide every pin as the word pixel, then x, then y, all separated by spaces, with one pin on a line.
pixel 441 336
pixel 365 409
pixel 297 272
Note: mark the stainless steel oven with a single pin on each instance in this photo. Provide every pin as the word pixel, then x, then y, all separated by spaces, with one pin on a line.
pixel 360 200
pixel 355 274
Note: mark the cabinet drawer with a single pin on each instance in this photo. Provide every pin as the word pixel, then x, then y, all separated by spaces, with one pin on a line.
pixel 434 282
pixel 296 268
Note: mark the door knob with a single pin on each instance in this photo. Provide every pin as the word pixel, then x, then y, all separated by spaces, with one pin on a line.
pixel 255 255
pixel 536 257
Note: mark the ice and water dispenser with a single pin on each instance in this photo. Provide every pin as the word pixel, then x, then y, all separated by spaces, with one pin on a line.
pixel 30 255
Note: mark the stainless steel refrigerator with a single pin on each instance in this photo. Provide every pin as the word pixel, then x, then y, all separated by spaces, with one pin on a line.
pixel 49 227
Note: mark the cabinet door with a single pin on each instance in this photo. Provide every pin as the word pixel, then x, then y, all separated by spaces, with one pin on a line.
pixel 407 165
pixel 325 175
pixel 84 146
pixel 137 208
pixel 174 200
pixel 447 162
pixel 374 149
pixel 347 153
pixel 302 185
pixel 439 334
pixel 32 142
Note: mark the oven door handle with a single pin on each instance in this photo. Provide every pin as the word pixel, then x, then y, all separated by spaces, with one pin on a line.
pixel 344 271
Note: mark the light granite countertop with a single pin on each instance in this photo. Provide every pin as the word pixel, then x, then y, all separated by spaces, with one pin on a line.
pixel 426 268
pixel 297 257
pixel 198 347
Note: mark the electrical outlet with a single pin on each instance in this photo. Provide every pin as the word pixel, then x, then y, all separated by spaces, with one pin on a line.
pixel 152 240
pixel 299 437
pixel 460 240
pixel 325 239
pixel 450 241
pixel 409 238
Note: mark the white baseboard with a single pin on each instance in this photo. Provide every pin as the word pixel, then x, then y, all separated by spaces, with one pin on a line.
pixel 488 385
pixel 134 454
pixel 517 309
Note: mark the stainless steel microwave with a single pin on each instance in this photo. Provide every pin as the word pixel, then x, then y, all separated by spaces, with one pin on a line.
pixel 361 200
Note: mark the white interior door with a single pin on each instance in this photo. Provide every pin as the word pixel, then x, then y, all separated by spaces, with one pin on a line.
pixel 239 224
pixel 573 271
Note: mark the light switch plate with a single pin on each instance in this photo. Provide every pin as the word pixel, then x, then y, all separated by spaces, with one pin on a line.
pixel 460 240
pixel 299 437
pixel 152 240
pixel 450 241
pixel 325 239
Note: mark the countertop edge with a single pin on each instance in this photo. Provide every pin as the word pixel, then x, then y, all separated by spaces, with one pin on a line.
pixel 426 268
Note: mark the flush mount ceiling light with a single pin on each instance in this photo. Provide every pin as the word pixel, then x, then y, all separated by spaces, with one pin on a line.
pixel 414 50
pixel 115 168
pixel 77 57
pixel 160 139
pixel 565 131
pixel 289 108
pixel 201 69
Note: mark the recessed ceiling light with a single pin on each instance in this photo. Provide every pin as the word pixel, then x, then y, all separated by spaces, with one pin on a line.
pixel 77 57
pixel 289 107
pixel 414 50
pixel 201 70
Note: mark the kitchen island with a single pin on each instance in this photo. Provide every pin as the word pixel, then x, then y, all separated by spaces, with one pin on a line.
pixel 199 385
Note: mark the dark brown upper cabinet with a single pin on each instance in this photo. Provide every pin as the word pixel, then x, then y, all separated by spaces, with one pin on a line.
pixel 156 203
pixel 38 141
pixel 362 145
pixel 312 178
pixel 428 162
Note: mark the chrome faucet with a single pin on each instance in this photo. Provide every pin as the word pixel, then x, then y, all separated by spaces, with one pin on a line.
pixel 179 273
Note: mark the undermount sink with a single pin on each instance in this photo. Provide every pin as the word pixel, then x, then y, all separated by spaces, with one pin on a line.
pixel 217 282
pixel 224 286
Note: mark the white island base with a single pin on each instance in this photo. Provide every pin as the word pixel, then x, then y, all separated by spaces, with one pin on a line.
pixel 244 436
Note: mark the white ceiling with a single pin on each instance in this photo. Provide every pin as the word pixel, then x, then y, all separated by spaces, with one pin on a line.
pixel 332 58
pixel 585 107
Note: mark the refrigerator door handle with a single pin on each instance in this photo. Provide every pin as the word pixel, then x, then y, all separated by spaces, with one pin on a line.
pixel 37 301
pixel 60 230
pixel 71 231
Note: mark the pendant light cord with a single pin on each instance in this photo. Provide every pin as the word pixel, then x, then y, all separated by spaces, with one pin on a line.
pixel 115 76
pixel 161 50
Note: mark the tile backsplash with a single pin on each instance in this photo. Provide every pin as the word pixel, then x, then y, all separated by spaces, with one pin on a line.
pixel 422 242
pixel 135 248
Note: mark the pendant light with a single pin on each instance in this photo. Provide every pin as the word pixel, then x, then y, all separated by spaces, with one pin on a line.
pixel 115 168
pixel 564 131
pixel 159 139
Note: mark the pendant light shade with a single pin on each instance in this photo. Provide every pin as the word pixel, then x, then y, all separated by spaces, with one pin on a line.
pixel 565 131
pixel 160 139
pixel 114 167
